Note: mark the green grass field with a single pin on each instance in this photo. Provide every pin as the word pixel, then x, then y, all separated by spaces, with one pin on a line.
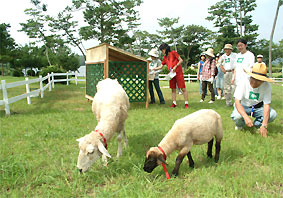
pixel 38 151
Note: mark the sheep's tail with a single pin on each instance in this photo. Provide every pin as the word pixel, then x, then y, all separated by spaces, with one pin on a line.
pixel 219 133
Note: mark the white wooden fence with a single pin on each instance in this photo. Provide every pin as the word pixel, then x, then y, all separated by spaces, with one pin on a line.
pixel 51 82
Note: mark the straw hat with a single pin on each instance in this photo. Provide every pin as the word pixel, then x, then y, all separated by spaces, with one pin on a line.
pixel 259 72
pixel 228 46
pixel 154 53
pixel 259 56
pixel 209 52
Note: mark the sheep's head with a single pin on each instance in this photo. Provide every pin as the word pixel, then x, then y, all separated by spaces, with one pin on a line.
pixel 91 148
pixel 153 158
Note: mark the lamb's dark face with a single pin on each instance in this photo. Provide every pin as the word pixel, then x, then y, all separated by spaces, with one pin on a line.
pixel 150 163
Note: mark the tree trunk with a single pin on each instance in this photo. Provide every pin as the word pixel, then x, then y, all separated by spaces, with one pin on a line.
pixel 188 57
pixel 46 53
pixel 271 38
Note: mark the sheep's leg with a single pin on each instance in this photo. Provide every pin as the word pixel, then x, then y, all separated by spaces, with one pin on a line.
pixel 125 138
pixel 191 161
pixel 119 138
pixel 179 160
pixel 209 148
pixel 217 151
pixel 104 160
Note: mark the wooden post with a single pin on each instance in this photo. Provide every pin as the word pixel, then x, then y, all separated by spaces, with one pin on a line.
pixel 5 97
pixel 76 77
pixel 67 78
pixel 147 84
pixel 49 83
pixel 41 87
pixel 52 80
pixel 28 91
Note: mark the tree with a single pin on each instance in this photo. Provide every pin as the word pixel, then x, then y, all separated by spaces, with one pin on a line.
pixel 280 2
pixel 7 45
pixel 171 34
pixel 64 26
pixel 234 21
pixel 107 20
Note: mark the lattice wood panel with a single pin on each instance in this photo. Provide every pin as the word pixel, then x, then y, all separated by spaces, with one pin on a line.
pixel 94 74
pixel 132 76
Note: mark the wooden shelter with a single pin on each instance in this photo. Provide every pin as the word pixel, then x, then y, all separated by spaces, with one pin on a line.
pixel 131 71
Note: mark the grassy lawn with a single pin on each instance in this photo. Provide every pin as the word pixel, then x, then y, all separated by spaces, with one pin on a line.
pixel 38 151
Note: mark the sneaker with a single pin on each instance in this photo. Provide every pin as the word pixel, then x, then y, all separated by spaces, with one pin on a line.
pixel 186 106
pixel 173 105
pixel 162 102
pixel 210 102
pixel 180 93
pixel 151 102
pixel 218 97
pixel 223 98
pixel 201 100
pixel 238 128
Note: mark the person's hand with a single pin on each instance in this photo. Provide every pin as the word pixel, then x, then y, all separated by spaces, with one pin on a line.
pixel 233 81
pixel 215 78
pixel 263 131
pixel 198 78
pixel 248 121
pixel 174 69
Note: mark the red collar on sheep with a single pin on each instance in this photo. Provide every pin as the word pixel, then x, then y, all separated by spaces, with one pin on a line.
pixel 164 167
pixel 105 143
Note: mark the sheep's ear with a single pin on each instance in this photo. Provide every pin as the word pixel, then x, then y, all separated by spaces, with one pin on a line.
pixel 81 139
pixel 103 150
pixel 161 158
pixel 90 148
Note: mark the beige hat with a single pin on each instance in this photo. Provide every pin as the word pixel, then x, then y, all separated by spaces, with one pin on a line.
pixel 259 56
pixel 259 72
pixel 209 52
pixel 228 46
pixel 154 53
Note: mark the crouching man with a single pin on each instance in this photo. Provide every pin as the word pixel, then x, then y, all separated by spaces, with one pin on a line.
pixel 253 98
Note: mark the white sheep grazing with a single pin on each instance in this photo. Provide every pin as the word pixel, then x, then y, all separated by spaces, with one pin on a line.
pixel 110 105
pixel 197 128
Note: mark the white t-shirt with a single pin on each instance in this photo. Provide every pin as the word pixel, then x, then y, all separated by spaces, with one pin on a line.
pixel 228 62
pixel 251 96
pixel 262 62
pixel 153 64
pixel 243 61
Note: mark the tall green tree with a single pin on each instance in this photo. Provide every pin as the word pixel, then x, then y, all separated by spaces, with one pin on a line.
pixel 65 27
pixel 7 45
pixel 234 20
pixel 107 20
pixel 171 33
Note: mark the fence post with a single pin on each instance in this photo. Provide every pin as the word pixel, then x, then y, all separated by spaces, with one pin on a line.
pixel 49 83
pixel 76 77
pixel 41 87
pixel 28 91
pixel 5 97
pixel 52 80
pixel 67 78
pixel 189 78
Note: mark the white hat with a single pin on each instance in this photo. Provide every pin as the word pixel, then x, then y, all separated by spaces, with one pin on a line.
pixel 209 52
pixel 228 46
pixel 259 56
pixel 154 53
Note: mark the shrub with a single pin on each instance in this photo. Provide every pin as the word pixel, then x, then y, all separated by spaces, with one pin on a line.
pixel 164 70
pixel 190 71
pixel 17 73
pixel 55 69
pixel 276 69
pixel 30 72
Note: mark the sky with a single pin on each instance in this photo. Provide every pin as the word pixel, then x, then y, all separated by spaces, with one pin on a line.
pixel 189 12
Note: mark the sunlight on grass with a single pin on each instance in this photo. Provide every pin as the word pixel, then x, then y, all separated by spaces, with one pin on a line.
pixel 38 151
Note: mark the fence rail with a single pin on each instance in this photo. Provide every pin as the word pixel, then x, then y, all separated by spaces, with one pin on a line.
pixel 28 94
pixel 51 84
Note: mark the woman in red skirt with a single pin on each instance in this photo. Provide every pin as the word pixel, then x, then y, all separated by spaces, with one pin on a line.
pixel 173 61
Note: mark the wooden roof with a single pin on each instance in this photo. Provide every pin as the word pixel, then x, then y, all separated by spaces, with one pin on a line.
pixel 105 51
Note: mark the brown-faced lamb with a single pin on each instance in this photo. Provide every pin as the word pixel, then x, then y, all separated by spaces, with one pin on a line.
pixel 197 128
pixel 110 105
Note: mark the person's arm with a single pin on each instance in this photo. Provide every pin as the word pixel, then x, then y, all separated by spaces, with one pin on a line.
pixel 158 68
pixel 241 110
pixel 234 76
pixel 198 70
pixel 213 68
pixel 179 63
pixel 263 129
